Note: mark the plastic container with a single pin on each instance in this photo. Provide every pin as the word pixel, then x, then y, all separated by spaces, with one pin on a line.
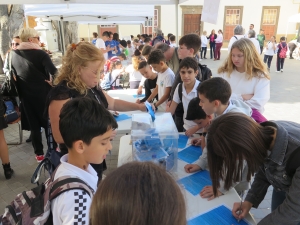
pixel 155 141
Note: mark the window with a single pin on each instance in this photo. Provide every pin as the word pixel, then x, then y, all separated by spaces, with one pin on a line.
pixel 111 25
pixel 232 17
pixel 155 18
pixel 269 17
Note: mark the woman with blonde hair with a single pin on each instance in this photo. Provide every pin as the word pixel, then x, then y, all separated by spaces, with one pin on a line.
pixel 135 76
pixel 79 77
pixel 138 193
pixel 248 77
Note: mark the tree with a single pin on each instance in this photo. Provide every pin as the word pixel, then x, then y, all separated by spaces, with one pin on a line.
pixel 11 20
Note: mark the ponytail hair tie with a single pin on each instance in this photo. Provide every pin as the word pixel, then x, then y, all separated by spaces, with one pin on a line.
pixel 73 47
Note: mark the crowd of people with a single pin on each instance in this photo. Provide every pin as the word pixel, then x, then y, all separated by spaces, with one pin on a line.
pixel 226 110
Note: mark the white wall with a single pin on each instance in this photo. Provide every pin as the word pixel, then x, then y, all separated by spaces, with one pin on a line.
pixel 127 30
pixel 83 31
pixel 167 20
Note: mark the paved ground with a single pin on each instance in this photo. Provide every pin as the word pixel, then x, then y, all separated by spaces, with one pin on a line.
pixel 283 105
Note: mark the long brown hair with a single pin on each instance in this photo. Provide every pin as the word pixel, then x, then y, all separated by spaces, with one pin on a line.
pixel 138 193
pixel 232 138
pixel 77 56
pixel 254 66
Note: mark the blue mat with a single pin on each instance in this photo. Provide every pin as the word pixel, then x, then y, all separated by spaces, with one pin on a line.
pixel 221 215
pixel 196 182
pixel 139 96
pixel 190 154
pixel 121 117
pixel 182 141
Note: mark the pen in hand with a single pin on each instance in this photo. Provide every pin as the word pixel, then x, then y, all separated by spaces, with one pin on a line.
pixel 240 210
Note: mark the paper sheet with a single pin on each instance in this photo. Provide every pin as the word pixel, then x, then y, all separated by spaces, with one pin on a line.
pixel 220 215
pixel 182 141
pixel 190 154
pixel 196 182
pixel 121 117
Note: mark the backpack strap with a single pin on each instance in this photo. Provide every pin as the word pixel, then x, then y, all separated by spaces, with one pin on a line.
pixel 293 162
pixel 235 37
pixel 67 183
pixel 180 92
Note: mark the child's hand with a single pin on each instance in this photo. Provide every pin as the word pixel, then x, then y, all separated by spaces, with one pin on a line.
pixel 191 168
pixel 139 90
pixel 138 101
pixel 207 192
pixel 196 141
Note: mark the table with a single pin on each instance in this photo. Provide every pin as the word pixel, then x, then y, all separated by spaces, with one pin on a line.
pixel 124 94
pixel 195 204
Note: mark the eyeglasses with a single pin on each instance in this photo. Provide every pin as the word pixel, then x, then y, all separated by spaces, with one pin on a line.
pixel 15 44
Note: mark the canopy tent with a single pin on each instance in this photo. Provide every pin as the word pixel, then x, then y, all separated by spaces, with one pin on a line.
pixel 293 19
pixel 133 2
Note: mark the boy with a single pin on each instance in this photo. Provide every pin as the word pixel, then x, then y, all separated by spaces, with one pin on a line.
pixel 261 39
pixel 188 70
pixel 214 95
pixel 165 79
pixel 150 82
pixel 86 128
pixel 100 43
pixel 130 50
pixel 172 40
pixel 95 36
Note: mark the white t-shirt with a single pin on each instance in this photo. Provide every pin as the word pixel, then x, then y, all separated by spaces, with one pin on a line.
pixel 256 44
pixel 134 75
pixel 257 86
pixel 173 45
pixel 164 80
pixel 269 49
pixel 101 45
pixel 114 75
pixel 232 40
pixel 204 41
pixel 72 206
pixel 219 38
pixel 186 98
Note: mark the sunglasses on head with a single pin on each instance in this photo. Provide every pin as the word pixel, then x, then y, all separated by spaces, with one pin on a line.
pixel 15 44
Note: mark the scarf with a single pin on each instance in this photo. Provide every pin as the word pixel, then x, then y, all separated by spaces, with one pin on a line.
pixel 28 46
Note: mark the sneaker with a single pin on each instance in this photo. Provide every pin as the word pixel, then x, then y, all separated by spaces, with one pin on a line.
pixel 39 158
pixel 281 70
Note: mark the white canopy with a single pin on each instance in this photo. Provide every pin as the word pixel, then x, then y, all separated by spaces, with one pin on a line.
pixel 134 2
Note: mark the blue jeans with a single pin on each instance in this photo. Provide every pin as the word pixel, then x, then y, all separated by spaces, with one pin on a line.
pixel 279 63
pixel 268 60
pixel 203 50
pixel 212 49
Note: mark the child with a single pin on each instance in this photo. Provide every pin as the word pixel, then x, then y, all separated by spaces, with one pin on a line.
pixel 116 71
pixel 188 70
pixel 165 79
pixel 203 44
pixel 214 95
pixel 281 54
pixel 270 51
pixel 150 194
pixel 146 51
pixel 150 82
pixel 135 76
pixel 86 128
pixel 173 42
pixel 131 49
pixel 247 76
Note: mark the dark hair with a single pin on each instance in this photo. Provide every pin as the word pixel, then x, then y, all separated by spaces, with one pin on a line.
pixel 194 110
pixel 215 88
pixel 140 48
pixel 138 193
pixel 142 65
pixel 156 56
pixel 123 43
pixel 172 38
pixel 147 40
pixel 231 139
pixel 105 34
pixel 282 38
pixel 252 24
pixel 188 62
pixel 81 39
pixel 128 42
pixel 114 65
pixel 169 35
pixel 123 56
pixel 163 47
pixel 150 35
pixel 83 119
pixel 95 34
pixel 138 36
pixel 116 36
pixel 137 52
pixel 144 36
pixel 131 36
pixel 191 41
pixel 220 31
pixel 147 50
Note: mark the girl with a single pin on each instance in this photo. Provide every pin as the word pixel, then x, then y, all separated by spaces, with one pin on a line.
pixel 135 76
pixel 212 37
pixel 270 51
pixel 203 44
pixel 219 43
pixel 115 73
pixel 271 150
pixel 150 194
pixel 281 47
pixel 247 76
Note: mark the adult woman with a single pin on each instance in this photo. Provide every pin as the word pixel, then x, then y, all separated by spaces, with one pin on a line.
pixel 247 76
pixel 252 37
pixel 270 51
pixel 269 150
pixel 14 44
pixel 135 76
pixel 219 43
pixel 212 37
pixel 79 77
pixel 33 69
pixel 151 196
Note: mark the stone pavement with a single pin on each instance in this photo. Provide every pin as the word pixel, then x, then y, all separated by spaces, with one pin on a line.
pixel 283 105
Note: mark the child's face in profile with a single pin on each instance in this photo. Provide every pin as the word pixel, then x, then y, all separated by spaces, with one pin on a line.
pixel 146 72
pixel 203 123
pixel 208 107
pixel 188 75
pixel 99 147
pixel 158 67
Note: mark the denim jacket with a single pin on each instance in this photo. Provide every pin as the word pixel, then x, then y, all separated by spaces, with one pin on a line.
pixel 273 172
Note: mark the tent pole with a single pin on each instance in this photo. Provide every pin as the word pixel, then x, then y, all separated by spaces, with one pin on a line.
pixel 176 19
pixel 298 39
pixel 27 23
pixel 147 25
pixel 62 36
pixel 89 33
pixel 287 26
